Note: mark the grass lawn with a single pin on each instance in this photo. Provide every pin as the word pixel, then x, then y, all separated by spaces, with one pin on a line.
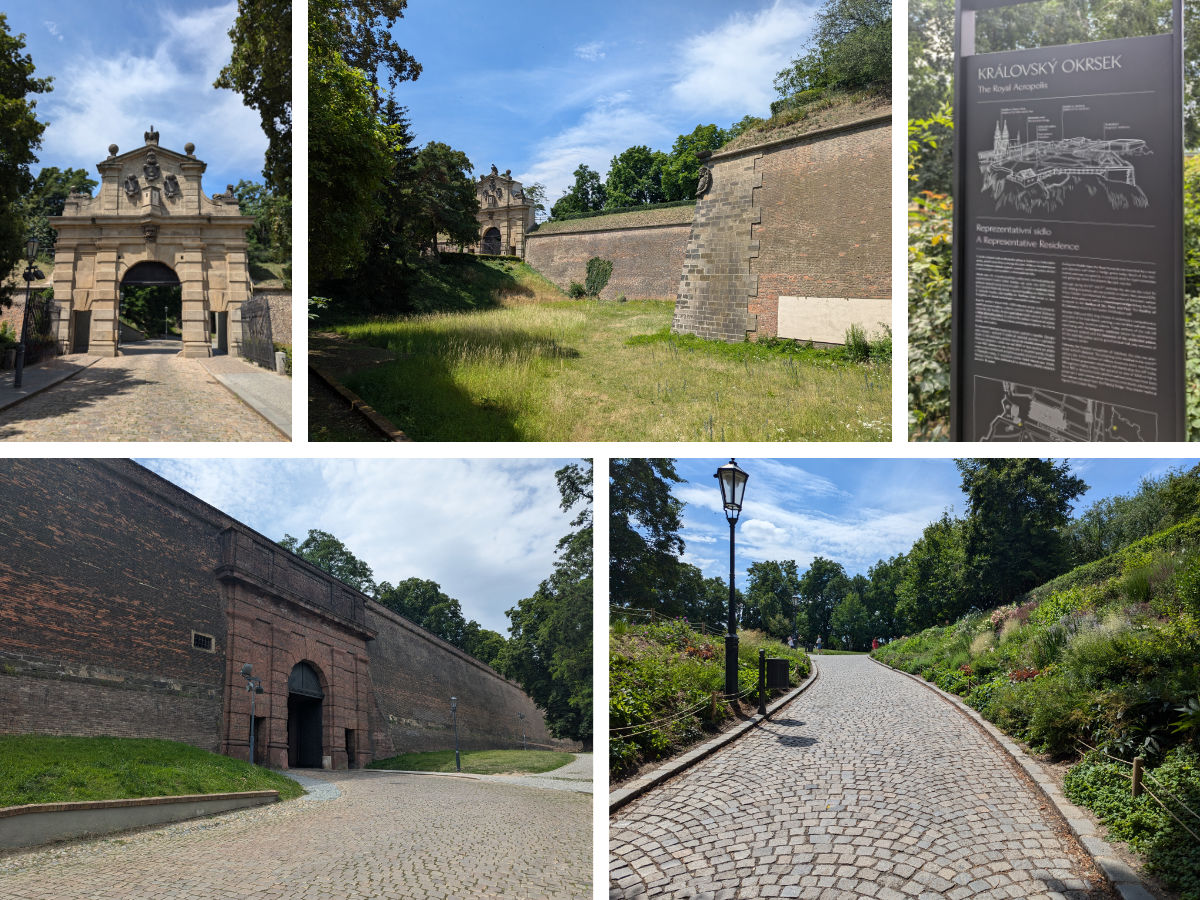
pixel 528 364
pixel 43 769
pixel 478 762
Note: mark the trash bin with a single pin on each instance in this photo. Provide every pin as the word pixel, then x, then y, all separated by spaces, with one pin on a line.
pixel 777 674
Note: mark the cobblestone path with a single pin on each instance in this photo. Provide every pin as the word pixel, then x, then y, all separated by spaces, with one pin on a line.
pixel 149 394
pixel 399 837
pixel 868 785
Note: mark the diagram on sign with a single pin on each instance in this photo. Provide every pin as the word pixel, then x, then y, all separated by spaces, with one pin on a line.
pixel 1032 168
pixel 1027 413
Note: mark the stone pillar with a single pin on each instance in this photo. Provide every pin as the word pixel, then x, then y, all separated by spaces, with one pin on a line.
pixel 195 307
pixel 64 268
pixel 103 339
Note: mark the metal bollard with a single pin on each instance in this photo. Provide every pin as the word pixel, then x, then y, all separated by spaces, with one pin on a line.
pixel 762 682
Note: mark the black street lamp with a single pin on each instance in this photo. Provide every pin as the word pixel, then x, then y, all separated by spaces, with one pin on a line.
pixel 521 716
pixel 32 273
pixel 254 686
pixel 454 712
pixel 733 488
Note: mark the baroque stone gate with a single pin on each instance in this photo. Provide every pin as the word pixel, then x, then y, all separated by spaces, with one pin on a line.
pixel 150 223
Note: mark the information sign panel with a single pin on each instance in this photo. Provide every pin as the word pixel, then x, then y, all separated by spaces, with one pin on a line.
pixel 1068 241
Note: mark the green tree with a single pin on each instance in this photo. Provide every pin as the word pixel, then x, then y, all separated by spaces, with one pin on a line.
pixel 443 198
pixel 330 555
pixel 47 197
pixel 535 194
pixel 930 56
pixel 1016 509
pixel 635 177
pixel 931 587
pixel 700 600
pixel 681 169
pixel 850 623
pixel 20 136
pixel 363 33
pixel 349 149
pixel 644 541
pixel 152 308
pixel 879 596
pixel 270 238
pixel 549 651
pixel 821 587
pixel 485 645
pixel 850 49
pixel 770 597
pixel 587 194
pixel 260 69
pixel 423 602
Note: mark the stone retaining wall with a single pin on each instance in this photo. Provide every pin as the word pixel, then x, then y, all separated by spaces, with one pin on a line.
pixel 645 247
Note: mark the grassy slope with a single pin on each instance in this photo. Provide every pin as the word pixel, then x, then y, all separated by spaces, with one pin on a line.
pixel 1107 655
pixel 668 673
pixel 527 364
pixel 821 112
pixel 478 762
pixel 42 769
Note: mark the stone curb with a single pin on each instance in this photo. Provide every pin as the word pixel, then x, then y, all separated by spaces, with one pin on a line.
pixel 638 787
pixel 469 776
pixel 1126 882
pixel 58 379
pixel 42 823
pixel 270 419
pixel 358 405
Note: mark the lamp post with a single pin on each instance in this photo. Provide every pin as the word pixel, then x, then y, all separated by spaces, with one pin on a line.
pixel 254 686
pixel 521 716
pixel 454 713
pixel 733 488
pixel 31 274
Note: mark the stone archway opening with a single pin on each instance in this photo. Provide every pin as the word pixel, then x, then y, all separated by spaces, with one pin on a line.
pixel 150 301
pixel 305 724
pixel 491 242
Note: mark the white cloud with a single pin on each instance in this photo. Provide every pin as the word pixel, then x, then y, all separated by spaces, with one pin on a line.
pixel 731 68
pixel 52 27
pixel 591 52
pixel 99 100
pixel 612 124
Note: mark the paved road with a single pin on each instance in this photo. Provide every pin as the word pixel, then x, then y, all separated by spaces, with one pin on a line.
pixel 148 394
pixel 868 785
pixel 399 837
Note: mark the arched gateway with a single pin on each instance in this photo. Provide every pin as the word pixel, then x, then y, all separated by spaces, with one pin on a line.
pixel 151 208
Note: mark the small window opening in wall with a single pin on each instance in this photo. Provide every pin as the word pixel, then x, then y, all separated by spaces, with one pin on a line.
pixel 202 641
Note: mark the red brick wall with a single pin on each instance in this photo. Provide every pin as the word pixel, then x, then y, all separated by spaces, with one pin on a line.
pixel 415 674
pixel 808 216
pixel 646 260
pixel 824 229
pixel 103 583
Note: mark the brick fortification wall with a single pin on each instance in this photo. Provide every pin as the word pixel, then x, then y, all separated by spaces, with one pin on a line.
pixel 645 247
pixel 805 217
pixel 103 584
pixel 415 674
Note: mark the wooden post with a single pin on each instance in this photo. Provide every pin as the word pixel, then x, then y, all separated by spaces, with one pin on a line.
pixel 1137 776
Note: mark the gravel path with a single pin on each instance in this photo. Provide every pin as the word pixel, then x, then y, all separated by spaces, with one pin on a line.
pixel 868 785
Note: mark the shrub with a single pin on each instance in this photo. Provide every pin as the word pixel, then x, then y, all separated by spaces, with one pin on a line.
pixel 598 272
pixel 1172 854
pixel 576 291
pixel 858 348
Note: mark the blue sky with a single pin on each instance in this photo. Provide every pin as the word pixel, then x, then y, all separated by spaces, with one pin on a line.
pixel 484 529
pixel 542 86
pixel 854 511
pixel 120 67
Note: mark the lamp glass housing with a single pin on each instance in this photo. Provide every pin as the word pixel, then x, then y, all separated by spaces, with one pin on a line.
pixel 31 249
pixel 733 480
